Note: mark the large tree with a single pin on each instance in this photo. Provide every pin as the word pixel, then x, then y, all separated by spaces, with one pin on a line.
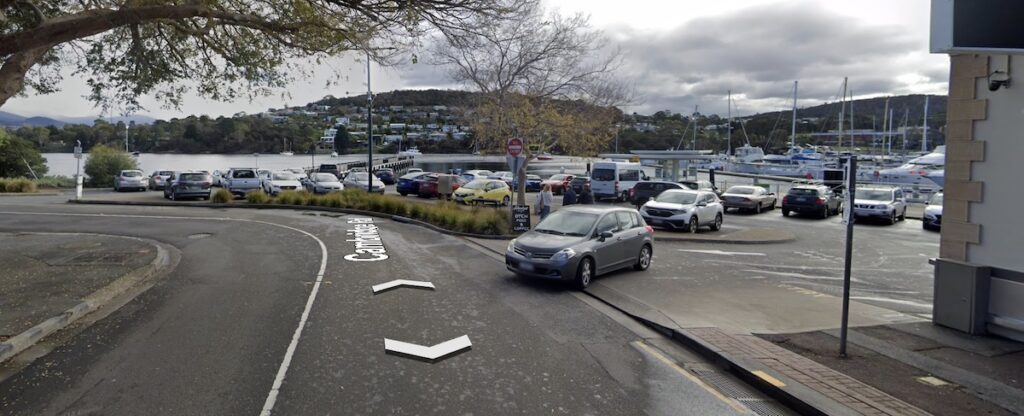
pixel 225 48
pixel 547 78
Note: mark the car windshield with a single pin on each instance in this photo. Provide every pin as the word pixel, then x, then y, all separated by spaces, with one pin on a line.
pixel 936 200
pixel 413 175
pixel 567 222
pixel 603 174
pixel 558 177
pixel 325 177
pixel 477 184
pixel 131 174
pixel 358 176
pixel 192 177
pixel 682 198
pixel 803 192
pixel 875 195
pixel 284 176
pixel 741 190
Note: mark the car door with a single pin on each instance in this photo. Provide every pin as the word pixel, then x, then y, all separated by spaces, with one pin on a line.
pixel 900 202
pixel 706 213
pixel 607 254
pixel 630 235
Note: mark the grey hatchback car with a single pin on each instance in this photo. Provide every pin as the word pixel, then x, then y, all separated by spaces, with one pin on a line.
pixel 579 242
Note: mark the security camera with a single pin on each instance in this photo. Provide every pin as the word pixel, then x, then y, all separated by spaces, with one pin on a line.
pixel 998 80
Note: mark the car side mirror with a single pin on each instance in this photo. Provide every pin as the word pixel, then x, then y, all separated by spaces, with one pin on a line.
pixel 702 204
pixel 604 235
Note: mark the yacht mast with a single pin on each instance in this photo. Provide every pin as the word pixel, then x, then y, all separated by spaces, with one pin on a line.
pixel 792 135
pixel 924 137
pixel 728 133
pixel 891 111
pixel 906 119
pixel 694 128
pixel 842 112
pixel 885 124
pixel 851 122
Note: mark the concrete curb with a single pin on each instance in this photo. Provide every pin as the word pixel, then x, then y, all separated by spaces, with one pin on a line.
pixel 298 208
pixel 89 304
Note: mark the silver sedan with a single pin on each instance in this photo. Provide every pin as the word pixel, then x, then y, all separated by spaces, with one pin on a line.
pixel 754 198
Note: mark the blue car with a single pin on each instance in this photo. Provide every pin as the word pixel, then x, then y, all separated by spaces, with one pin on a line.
pixel 387 176
pixel 410 183
pixel 533 183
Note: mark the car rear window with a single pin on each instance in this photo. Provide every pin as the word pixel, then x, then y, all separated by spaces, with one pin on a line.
pixel 741 190
pixel 243 174
pixel 603 175
pixel 803 192
pixel 166 173
pixel 193 177
pixel 131 174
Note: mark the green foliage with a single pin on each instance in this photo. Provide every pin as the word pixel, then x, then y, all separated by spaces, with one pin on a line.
pixel 341 140
pixel 17 185
pixel 56 182
pixel 14 152
pixel 258 197
pixel 222 196
pixel 105 162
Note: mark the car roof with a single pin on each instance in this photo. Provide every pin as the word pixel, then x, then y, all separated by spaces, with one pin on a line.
pixel 595 209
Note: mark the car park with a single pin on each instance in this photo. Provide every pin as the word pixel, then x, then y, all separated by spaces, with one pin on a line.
pixel 323 182
pixel 361 180
pixel 241 181
pixel 815 200
pixel 130 180
pixel 880 202
pixel 932 218
pixel 683 209
pixel 533 183
pixel 613 180
pixel 482 191
pixel 646 190
pixel 386 175
pixel 558 182
pixel 754 198
pixel 182 185
pixel 429 186
pixel 578 243
pixel 158 179
pixel 276 182
pixel 410 183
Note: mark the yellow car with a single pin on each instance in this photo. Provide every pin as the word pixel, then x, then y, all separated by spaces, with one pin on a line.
pixel 480 191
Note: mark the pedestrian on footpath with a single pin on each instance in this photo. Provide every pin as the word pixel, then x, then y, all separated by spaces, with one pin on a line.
pixel 586 197
pixel 544 198
pixel 569 197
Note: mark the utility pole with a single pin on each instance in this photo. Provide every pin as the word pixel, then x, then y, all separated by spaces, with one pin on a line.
pixel 924 137
pixel 694 147
pixel 851 184
pixel 792 137
pixel 728 149
pixel 369 127
pixel 842 112
pixel 126 137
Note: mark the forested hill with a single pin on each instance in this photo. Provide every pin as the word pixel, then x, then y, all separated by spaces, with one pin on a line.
pixel 412 98
pixel 913 105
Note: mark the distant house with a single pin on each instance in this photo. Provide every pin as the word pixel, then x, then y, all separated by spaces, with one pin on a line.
pixel 341 121
pixel 437 136
pixel 460 135
pixel 278 119
pixel 239 114
pixel 433 126
pixel 414 127
pixel 391 138
pixel 440 108
pixel 396 126
pixel 396 108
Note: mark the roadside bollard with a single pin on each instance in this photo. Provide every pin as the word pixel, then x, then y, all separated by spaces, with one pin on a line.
pixel 78 187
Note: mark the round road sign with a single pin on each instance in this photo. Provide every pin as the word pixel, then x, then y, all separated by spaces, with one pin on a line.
pixel 515 147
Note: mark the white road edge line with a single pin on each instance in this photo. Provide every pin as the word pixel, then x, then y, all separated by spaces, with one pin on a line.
pixel 268 405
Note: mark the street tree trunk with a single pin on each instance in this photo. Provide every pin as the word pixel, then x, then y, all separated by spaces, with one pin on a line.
pixel 12 73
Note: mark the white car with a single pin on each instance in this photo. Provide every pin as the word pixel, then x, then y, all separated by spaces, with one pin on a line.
pixel 876 202
pixel 275 182
pixel 933 214
pixel 299 173
pixel 472 175
pixel 322 183
pixel 681 209
pixel 361 180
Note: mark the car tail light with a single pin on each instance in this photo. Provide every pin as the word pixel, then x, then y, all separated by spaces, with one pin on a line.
pixel 820 201
pixel 632 193
pixel 649 229
pixel 785 199
pixel 207 185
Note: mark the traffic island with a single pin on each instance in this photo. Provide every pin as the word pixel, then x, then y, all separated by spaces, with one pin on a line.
pixel 53 280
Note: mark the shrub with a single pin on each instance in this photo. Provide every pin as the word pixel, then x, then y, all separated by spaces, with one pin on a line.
pixel 18 185
pixel 257 197
pixel 105 162
pixel 15 152
pixel 222 196
pixel 289 198
pixel 56 182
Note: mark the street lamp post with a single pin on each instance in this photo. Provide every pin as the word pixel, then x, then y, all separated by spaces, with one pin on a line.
pixel 369 127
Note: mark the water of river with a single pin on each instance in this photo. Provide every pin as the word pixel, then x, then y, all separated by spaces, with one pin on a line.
pixel 64 163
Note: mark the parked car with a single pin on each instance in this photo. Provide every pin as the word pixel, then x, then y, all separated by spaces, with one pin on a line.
pixel 878 202
pixel 188 185
pixel 558 182
pixel 275 182
pixel 483 191
pixel 428 187
pixel 130 179
pixel 701 185
pixel 646 190
pixel 578 183
pixel 413 170
pixel 474 174
pixel 241 181
pixel 504 175
pixel 331 168
pixel 613 180
pixel 386 175
pixel 323 182
pixel 683 209
pixel 410 183
pixel 579 242
pixel 816 200
pixel 932 219
pixel 533 183
pixel 361 180
pixel 299 173
pixel 218 177
pixel 158 179
pixel 754 198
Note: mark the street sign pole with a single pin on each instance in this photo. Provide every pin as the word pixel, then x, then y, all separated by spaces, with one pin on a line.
pixel 851 182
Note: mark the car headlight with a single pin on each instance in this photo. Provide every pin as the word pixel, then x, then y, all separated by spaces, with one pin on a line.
pixel 565 254
pixel 511 246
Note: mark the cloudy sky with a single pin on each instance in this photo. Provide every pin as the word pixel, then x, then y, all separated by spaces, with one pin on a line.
pixel 680 53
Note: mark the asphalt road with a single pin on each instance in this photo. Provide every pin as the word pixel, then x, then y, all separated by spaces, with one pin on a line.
pixel 215 335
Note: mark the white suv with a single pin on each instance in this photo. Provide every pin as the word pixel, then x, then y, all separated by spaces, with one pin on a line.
pixel 885 203
pixel 684 209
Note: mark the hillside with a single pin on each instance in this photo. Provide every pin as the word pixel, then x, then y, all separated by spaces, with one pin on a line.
pixel 911 105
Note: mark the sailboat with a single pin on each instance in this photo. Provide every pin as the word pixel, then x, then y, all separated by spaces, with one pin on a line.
pixel 286 151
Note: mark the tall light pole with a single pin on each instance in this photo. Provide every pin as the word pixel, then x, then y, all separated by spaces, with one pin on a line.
pixel 126 137
pixel 369 127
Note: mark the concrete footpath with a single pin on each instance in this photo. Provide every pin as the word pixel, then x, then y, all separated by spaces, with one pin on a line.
pixel 50 280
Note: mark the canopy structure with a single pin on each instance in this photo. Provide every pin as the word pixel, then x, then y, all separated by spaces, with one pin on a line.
pixel 671 161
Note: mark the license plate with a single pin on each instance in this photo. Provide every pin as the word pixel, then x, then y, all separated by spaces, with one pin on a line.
pixel 526 267
pixel 655 221
pixel 801 199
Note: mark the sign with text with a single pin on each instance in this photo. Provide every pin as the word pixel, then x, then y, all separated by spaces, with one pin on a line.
pixel 78 152
pixel 520 218
pixel 515 147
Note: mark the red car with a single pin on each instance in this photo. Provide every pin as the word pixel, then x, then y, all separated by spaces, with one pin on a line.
pixel 428 187
pixel 558 183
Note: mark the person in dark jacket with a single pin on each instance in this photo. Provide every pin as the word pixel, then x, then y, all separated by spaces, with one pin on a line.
pixel 586 197
pixel 569 198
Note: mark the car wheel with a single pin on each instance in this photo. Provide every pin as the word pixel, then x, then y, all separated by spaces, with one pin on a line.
pixel 718 223
pixel 643 261
pixel 403 193
pixel 785 212
pixel 903 216
pixel 505 201
pixel 692 227
pixel 757 209
pixel 892 218
pixel 824 213
pixel 173 197
pixel 584 273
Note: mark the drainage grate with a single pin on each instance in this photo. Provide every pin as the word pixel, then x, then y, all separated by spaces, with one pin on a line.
pixel 765 407
pixel 746 395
